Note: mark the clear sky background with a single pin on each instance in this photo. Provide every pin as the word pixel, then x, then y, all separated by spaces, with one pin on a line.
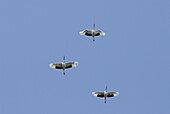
pixel 133 58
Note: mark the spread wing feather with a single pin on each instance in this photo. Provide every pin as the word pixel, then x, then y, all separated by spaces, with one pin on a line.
pixel 99 32
pixel 56 66
pixel 112 94
pixel 98 94
pixel 71 64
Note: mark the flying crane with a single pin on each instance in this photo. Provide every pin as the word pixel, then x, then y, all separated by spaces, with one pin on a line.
pixel 63 65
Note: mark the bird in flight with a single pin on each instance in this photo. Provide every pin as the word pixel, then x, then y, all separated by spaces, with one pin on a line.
pixel 64 65
pixel 105 94
pixel 92 32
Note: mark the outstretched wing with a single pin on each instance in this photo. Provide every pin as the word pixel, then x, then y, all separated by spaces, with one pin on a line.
pixel 86 32
pixel 98 94
pixel 71 64
pixel 99 32
pixel 112 94
pixel 56 66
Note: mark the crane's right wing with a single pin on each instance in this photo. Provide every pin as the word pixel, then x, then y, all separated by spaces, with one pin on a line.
pixel 99 32
pixel 98 94
pixel 86 32
pixel 56 66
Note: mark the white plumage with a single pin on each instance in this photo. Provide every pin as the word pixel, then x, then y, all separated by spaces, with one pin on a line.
pixel 63 65
pixel 92 32
pixel 105 94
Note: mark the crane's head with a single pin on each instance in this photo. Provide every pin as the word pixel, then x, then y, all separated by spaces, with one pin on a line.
pixel 106 89
pixel 93 26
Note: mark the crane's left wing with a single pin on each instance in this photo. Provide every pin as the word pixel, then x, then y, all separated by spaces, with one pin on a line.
pixel 112 94
pixel 71 64
pixel 99 32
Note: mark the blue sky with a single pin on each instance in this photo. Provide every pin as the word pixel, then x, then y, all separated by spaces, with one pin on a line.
pixel 133 58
